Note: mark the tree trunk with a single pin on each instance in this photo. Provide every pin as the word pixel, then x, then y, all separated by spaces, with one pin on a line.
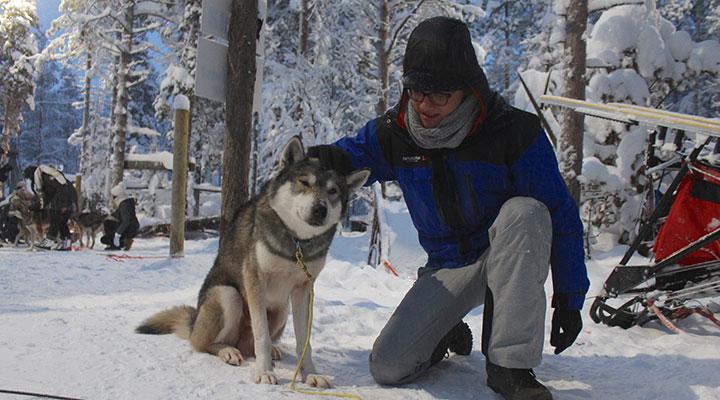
pixel 303 27
pixel 120 110
pixel 571 140
pixel 11 129
pixel 85 146
pixel 508 45
pixel 382 51
pixel 242 44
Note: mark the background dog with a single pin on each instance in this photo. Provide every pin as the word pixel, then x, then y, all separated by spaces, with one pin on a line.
pixel 88 224
pixel 27 228
pixel 244 302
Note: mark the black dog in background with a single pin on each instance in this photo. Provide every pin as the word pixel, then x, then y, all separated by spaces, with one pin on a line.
pixel 4 171
pixel 8 225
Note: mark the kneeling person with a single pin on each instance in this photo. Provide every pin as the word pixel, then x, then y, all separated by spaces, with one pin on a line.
pixel 122 225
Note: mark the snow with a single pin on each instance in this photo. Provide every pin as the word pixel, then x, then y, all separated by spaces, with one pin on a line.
pixel 594 170
pixel 705 56
pixel 181 102
pixel 619 85
pixel 680 45
pixel 67 323
pixel 143 131
pixel 163 157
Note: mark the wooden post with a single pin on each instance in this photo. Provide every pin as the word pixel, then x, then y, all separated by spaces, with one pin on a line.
pixel 180 173
pixel 78 193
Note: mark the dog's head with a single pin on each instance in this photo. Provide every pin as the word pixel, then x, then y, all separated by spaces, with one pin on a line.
pixel 309 199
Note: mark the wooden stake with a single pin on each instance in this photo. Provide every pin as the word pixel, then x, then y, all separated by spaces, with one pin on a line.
pixel 180 174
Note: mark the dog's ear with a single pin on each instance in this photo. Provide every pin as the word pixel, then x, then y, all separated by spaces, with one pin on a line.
pixel 292 153
pixel 358 178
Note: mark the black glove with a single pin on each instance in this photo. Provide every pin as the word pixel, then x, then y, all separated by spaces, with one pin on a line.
pixel 332 157
pixel 570 322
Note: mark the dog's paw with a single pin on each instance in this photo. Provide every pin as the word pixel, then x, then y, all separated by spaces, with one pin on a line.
pixel 276 353
pixel 231 355
pixel 318 381
pixel 265 377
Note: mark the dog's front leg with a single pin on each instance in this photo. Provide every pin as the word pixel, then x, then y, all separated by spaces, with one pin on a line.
pixel 301 312
pixel 258 320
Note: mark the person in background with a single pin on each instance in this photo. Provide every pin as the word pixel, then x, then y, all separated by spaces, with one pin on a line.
pixel 56 195
pixel 122 225
pixel 483 189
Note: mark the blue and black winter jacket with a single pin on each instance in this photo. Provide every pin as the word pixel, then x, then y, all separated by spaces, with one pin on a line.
pixel 454 195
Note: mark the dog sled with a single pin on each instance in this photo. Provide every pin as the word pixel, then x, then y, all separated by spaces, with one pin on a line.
pixel 683 229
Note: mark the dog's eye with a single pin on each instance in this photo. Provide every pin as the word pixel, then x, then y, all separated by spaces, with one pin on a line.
pixel 333 191
pixel 304 182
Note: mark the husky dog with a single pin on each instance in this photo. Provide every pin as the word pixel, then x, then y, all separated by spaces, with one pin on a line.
pixel 89 223
pixel 27 228
pixel 243 303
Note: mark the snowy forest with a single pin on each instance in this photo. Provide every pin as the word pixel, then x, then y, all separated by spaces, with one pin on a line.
pixel 92 86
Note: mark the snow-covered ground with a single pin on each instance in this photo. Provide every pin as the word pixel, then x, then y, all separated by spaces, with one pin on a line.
pixel 67 320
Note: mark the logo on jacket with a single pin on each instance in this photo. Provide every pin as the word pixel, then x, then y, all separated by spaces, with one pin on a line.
pixel 414 159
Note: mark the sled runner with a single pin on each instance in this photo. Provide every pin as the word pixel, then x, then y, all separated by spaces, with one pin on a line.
pixel 683 229
pixel 687 257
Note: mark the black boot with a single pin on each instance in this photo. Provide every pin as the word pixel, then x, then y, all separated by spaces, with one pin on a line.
pixel 515 383
pixel 459 340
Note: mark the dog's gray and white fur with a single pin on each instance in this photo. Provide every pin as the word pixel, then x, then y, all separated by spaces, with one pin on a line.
pixel 25 220
pixel 89 223
pixel 243 303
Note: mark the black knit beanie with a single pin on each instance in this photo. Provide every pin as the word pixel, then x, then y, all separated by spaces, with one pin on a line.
pixel 440 57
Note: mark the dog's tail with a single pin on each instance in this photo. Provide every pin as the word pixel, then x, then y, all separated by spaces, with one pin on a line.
pixel 178 320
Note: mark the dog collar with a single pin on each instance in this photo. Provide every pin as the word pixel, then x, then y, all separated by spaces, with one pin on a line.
pixel 300 258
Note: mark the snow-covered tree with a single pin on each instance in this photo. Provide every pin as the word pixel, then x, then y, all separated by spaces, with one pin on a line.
pixel 207 124
pixel 504 29
pixel 570 142
pixel 55 117
pixel 18 19
pixel 113 34
pixel 643 59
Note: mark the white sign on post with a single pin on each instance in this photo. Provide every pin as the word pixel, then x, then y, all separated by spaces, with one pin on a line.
pixel 211 70
pixel 211 67
pixel 215 19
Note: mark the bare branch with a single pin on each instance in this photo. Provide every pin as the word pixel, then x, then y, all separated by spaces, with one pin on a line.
pixel 402 25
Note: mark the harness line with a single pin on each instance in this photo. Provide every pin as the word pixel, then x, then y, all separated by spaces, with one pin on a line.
pixel 303 267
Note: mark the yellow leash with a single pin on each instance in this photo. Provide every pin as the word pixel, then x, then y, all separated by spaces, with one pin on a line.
pixel 303 267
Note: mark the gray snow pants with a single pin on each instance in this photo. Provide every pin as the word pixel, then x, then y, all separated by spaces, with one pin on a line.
pixel 513 269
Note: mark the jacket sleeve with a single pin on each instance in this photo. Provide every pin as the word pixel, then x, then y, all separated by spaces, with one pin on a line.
pixel 365 152
pixel 535 174
pixel 38 187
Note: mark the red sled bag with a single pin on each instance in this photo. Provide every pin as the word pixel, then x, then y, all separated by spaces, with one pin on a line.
pixel 694 213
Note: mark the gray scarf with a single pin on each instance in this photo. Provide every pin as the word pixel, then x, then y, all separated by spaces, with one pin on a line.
pixel 452 129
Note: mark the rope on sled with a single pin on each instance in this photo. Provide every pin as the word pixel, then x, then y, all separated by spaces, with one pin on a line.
pixel 301 264
pixel 33 394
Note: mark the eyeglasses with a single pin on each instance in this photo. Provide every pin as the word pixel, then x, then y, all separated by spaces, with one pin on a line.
pixel 437 99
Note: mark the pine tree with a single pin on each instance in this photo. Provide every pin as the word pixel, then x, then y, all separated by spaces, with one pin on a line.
pixel 504 29
pixel 18 19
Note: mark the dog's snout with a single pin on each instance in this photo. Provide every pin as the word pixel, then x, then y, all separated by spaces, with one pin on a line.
pixel 319 212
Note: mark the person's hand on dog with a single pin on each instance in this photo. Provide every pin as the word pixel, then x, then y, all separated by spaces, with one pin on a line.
pixel 331 157
pixel 566 326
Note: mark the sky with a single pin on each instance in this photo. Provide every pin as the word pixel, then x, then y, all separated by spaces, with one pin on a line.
pixel 47 12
